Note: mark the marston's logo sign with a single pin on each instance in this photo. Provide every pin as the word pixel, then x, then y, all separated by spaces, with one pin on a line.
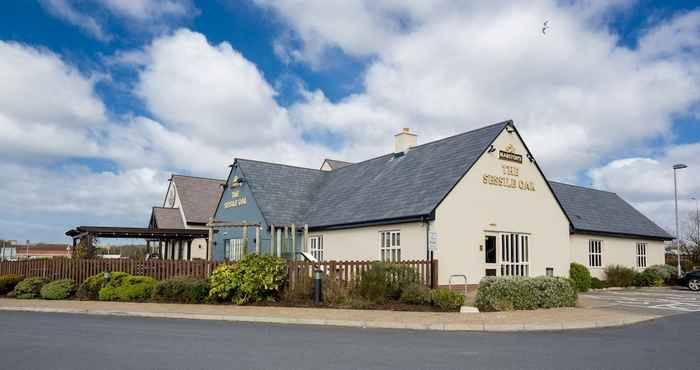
pixel 508 154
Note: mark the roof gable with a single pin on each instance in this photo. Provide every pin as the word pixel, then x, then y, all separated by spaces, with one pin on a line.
pixel 597 211
pixel 167 218
pixel 387 187
pixel 199 197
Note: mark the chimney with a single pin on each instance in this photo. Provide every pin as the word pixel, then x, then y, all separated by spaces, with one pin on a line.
pixel 404 140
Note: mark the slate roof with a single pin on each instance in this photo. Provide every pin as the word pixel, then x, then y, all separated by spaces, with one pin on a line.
pixel 336 164
pixel 167 218
pixel 199 196
pixel 382 188
pixel 598 211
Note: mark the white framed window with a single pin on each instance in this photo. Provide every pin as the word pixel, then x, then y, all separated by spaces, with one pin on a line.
pixel 233 249
pixel 390 247
pixel 316 247
pixel 515 254
pixel 595 253
pixel 641 254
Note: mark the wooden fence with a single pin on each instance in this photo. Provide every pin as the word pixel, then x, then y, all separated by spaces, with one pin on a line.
pixel 349 273
pixel 81 269
pixel 343 272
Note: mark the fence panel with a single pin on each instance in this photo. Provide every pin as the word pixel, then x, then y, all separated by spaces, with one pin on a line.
pixel 344 273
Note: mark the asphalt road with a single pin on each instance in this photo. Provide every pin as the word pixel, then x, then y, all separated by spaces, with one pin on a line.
pixel 67 341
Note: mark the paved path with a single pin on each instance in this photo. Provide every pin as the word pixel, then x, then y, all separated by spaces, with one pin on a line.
pixel 655 301
pixel 60 341
pixel 554 319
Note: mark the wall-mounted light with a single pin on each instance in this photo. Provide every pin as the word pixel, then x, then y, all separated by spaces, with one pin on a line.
pixel 510 129
pixel 492 149
pixel 530 157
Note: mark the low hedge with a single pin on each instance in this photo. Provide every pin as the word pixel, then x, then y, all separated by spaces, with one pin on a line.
pixel 90 288
pixel 619 276
pixel 447 300
pixel 668 273
pixel 8 283
pixel 597 283
pixel 181 289
pixel 29 288
pixel 580 277
pixel 415 294
pixel 128 288
pixel 522 293
pixel 647 278
pixel 252 279
pixel 58 289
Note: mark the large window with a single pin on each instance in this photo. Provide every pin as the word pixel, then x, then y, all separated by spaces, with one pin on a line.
pixel 515 255
pixel 390 246
pixel 316 247
pixel 595 253
pixel 233 249
pixel 641 254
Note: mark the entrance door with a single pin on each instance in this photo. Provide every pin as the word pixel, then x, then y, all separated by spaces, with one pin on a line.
pixel 491 255
pixel 506 254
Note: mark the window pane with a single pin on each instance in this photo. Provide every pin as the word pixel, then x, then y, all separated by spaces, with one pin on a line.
pixel 490 249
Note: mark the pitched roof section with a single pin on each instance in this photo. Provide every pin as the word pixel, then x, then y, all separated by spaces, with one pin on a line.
pixel 168 218
pixel 393 187
pixel 199 196
pixel 283 193
pixel 598 211
pixel 382 188
pixel 335 164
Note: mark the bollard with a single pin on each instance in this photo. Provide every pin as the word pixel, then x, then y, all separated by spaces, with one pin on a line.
pixel 317 286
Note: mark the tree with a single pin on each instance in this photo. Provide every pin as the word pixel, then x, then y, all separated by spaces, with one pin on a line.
pixel 86 248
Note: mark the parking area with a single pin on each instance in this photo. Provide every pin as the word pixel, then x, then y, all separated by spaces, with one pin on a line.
pixel 658 301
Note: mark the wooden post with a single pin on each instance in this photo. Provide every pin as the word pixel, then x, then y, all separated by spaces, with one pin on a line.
pixel 305 239
pixel 245 239
pixel 160 249
pixel 273 240
pixel 434 274
pixel 294 242
pixel 257 239
pixel 285 242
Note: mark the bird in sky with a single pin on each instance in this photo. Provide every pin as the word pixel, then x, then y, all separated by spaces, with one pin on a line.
pixel 545 27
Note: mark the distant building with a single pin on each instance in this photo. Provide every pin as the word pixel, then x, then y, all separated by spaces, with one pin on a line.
pixel 8 250
pixel 40 250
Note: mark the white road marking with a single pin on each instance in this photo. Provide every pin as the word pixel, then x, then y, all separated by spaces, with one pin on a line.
pixel 673 301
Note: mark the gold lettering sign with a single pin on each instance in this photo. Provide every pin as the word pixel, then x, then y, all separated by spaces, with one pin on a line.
pixel 508 154
pixel 236 202
pixel 508 182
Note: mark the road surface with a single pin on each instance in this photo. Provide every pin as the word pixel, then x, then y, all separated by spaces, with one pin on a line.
pixel 69 341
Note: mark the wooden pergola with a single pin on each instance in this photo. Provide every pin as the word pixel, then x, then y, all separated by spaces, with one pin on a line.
pixel 182 238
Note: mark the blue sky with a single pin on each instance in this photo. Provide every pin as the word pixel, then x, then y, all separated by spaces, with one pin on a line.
pixel 108 98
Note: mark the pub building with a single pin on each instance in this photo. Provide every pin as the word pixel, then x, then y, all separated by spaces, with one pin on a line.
pixel 477 202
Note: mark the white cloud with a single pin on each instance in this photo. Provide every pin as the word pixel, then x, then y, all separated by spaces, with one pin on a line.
pixel 65 10
pixel 648 183
pixel 575 93
pixel 154 16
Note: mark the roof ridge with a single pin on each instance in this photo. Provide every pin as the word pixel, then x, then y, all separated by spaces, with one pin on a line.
pixel 432 142
pixel 159 207
pixel 582 187
pixel 196 177
pixel 278 164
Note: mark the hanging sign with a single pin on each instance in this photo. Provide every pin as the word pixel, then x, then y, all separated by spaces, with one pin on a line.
pixel 433 241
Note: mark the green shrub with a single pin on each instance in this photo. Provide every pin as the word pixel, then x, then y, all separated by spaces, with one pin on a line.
pixel 384 280
pixel 647 278
pixel 29 288
pixel 446 299
pixel 254 278
pixel 415 294
pixel 8 283
pixel 597 283
pixel 58 289
pixel 181 289
pixel 666 272
pixel 373 286
pixel 90 288
pixel 619 276
pixel 580 276
pixel 128 288
pixel 522 293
